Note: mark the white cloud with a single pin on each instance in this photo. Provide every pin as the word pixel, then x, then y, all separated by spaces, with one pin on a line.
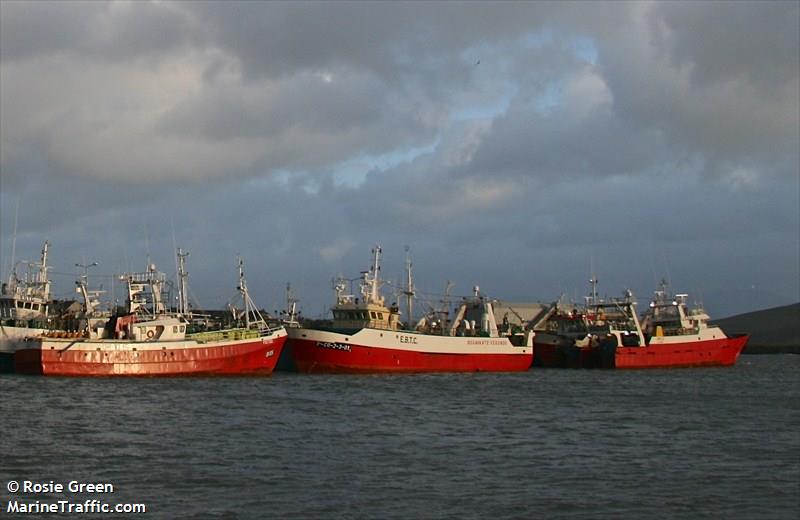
pixel 743 178
pixel 335 251
pixel 587 91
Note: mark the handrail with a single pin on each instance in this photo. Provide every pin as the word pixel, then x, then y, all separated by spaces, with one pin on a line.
pixel 231 334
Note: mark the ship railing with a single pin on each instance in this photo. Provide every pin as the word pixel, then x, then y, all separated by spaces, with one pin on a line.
pixel 224 335
pixel 682 331
pixel 267 329
pixel 146 277
pixel 232 334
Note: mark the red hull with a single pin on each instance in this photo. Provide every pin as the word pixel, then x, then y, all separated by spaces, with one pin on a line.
pixel 713 352
pixel 256 357
pixel 311 358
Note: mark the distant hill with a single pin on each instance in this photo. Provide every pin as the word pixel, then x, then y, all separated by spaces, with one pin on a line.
pixel 775 330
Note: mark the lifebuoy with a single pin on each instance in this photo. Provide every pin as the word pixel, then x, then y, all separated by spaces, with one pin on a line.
pixel 149 334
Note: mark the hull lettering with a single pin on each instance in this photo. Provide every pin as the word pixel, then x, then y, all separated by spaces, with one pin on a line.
pixel 333 346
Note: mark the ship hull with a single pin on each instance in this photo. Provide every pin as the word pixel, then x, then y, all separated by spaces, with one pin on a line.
pixel 710 352
pixel 60 357
pixel 556 355
pixel 554 351
pixel 372 351
pixel 6 362
pixel 10 336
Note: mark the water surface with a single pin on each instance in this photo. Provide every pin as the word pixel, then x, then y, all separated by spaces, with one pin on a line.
pixel 688 443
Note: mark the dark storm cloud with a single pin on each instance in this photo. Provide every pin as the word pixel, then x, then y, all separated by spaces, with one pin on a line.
pixel 307 121
pixel 753 40
pixel 675 76
pixel 508 143
pixel 569 143
pixel 114 31
pixel 27 29
pixel 311 103
pixel 274 38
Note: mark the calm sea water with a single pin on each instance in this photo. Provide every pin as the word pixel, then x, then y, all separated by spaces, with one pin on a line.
pixel 690 443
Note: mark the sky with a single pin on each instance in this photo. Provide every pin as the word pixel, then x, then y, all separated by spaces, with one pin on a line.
pixel 522 147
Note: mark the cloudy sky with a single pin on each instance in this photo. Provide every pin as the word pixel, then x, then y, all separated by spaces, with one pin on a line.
pixel 517 146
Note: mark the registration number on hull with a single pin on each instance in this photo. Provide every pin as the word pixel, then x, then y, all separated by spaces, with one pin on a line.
pixel 334 346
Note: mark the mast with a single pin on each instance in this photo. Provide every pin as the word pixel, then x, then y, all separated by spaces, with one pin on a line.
pixel 370 288
pixel 42 281
pixel 137 283
pixel 409 292
pixel 183 303
pixel 339 287
pixel 90 298
pixel 249 306
pixel 243 291
pixel 291 306
pixel 12 276
pixel 663 290
pixel 156 280
pixel 376 266
pixel 90 302
pixel 591 300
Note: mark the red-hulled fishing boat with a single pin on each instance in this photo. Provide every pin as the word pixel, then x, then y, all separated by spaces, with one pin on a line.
pixel 149 341
pixel 24 304
pixel 678 336
pixel 366 337
pixel 582 337
pixel 608 334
